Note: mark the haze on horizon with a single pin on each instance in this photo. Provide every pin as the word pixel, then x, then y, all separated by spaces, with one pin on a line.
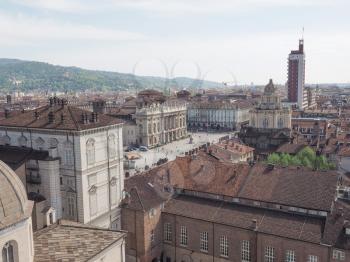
pixel 239 41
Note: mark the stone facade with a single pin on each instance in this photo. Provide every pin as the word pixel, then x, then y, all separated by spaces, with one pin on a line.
pixel 270 113
pixel 217 115
pixel 82 178
pixel 161 123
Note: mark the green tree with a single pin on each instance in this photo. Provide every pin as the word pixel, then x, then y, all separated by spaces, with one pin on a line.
pixel 273 158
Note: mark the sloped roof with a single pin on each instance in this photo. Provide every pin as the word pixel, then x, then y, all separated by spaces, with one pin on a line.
pixel 70 241
pixel 65 117
pixel 268 221
pixel 302 187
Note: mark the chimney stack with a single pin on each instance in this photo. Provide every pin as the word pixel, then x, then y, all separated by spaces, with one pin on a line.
pixel 7 113
pixel 51 117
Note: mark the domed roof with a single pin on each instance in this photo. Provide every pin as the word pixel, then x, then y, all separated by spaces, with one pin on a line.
pixel 14 205
pixel 270 88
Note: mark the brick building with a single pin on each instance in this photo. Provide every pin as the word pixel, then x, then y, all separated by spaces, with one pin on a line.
pixel 198 208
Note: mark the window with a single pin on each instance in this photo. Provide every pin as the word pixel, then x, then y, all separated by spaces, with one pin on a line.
pixel 22 141
pixel 39 143
pixel 167 232
pixel 245 251
pixel 90 151
pixel 70 201
pixel 290 256
pixel 68 156
pixel 280 123
pixel 6 140
pixel 265 123
pixel 111 146
pixel 183 236
pixel 152 236
pixel 8 253
pixel 339 255
pixel 204 241
pixel 93 203
pixel 312 258
pixel 223 246
pixel 269 254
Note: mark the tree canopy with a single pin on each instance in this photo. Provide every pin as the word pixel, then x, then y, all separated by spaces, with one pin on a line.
pixel 306 157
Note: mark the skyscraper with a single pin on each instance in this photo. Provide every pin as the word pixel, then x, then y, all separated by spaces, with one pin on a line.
pixel 296 76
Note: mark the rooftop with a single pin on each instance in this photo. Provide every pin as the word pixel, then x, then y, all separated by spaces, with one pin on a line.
pixel 268 221
pixel 59 116
pixel 70 241
pixel 296 187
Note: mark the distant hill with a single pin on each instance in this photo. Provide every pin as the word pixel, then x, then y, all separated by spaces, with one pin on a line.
pixel 28 75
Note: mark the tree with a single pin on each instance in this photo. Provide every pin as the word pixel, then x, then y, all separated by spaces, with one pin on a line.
pixel 274 159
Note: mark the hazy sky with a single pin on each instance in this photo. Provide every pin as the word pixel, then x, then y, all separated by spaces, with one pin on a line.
pixel 223 40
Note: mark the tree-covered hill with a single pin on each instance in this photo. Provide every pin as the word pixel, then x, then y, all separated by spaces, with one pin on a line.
pixel 27 75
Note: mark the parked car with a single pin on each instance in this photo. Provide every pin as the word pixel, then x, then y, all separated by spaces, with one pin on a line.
pixel 143 148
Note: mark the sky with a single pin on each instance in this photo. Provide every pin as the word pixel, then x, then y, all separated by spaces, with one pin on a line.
pixel 234 41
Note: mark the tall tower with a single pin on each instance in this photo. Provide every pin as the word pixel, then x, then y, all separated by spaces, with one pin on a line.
pixel 296 76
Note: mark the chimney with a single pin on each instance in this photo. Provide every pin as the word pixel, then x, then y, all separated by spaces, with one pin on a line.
pixel 7 113
pixel 51 117
pixel 94 118
pixel 51 101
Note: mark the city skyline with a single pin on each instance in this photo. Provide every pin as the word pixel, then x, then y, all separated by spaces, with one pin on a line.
pixel 237 41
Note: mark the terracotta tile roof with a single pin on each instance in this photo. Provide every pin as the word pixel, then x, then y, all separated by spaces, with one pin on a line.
pixel 334 232
pixel 291 186
pixel 268 221
pixel 69 241
pixel 290 148
pixel 203 173
pixel 64 117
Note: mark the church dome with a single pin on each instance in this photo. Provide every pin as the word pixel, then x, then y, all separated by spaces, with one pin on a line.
pixel 14 205
pixel 270 88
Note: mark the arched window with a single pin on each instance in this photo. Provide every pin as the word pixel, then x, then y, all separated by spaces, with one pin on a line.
pixel 39 143
pixel 8 252
pixel 90 151
pixel 22 141
pixel 6 140
pixel 280 123
pixel 265 123
pixel 111 146
pixel 53 142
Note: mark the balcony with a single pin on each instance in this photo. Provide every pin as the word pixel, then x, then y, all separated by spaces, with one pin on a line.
pixel 36 180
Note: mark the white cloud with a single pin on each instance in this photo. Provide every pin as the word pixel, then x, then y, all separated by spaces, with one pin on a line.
pixel 70 6
pixel 24 28
pixel 169 6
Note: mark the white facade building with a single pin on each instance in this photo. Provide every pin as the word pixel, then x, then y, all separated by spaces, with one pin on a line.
pixel 82 178
pixel 227 115
pixel 161 123
pixel 54 242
